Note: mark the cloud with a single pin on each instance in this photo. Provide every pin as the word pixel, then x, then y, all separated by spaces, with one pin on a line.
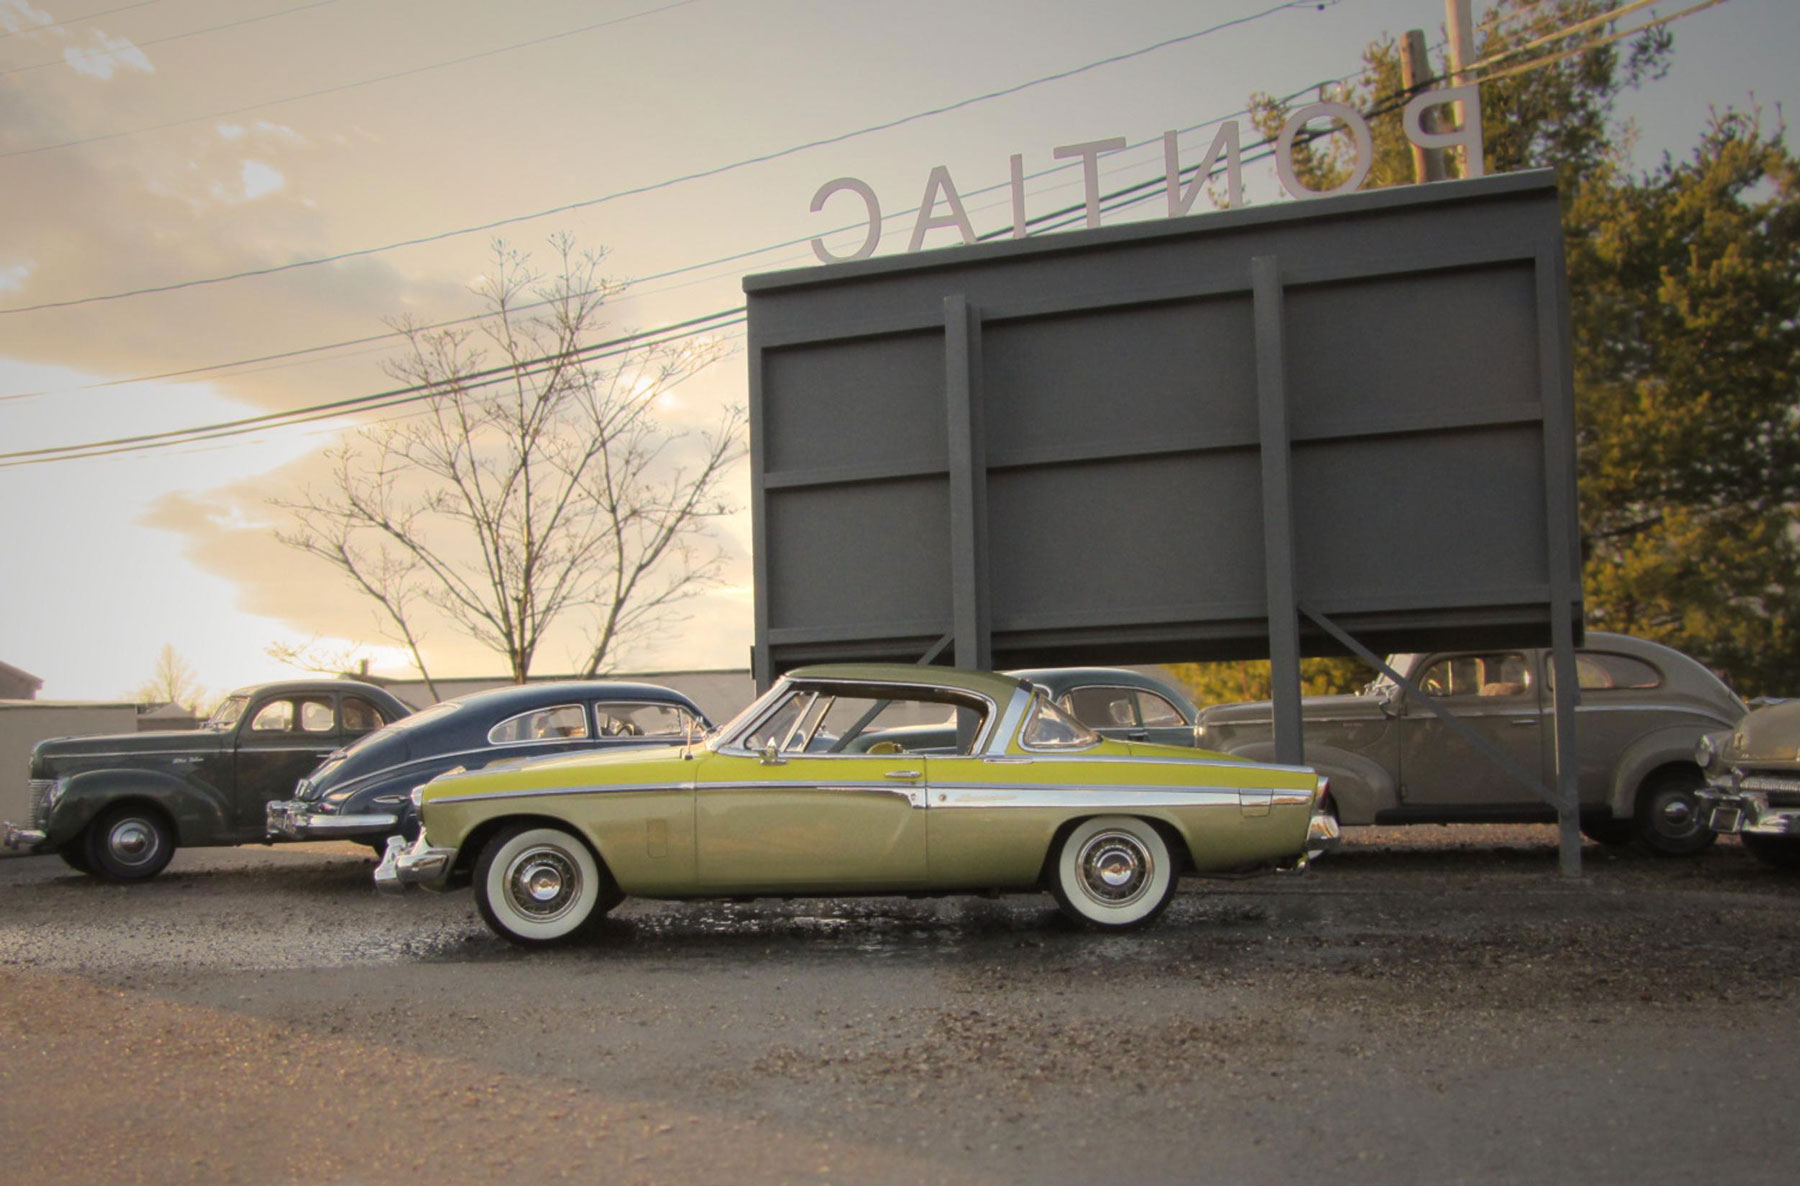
pixel 261 180
pixel 16 16
pixel 106 56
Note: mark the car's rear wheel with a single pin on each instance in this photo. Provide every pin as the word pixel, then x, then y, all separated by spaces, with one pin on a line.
pixel 538 886
pixel 1669 820
pixel 129 843
pixel 1777 852
pixel 1113 872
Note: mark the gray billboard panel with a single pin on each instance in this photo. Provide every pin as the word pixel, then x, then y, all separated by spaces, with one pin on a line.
pixel 1152 442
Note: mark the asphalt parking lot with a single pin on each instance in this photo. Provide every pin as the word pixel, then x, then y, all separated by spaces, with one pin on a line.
pixel 1429 1005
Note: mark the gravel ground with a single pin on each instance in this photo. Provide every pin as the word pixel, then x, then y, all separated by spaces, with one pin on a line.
pixel 1430 1004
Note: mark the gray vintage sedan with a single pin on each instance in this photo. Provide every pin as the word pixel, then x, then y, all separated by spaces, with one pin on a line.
pixel 1642 709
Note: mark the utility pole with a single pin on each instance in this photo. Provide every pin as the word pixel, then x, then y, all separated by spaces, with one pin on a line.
pixel 1461 27
pixel 1415 76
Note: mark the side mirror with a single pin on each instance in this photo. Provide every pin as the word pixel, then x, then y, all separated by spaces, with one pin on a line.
pixel 1390 700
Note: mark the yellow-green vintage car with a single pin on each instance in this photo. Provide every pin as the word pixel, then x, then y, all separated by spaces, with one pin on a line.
pixel 815 790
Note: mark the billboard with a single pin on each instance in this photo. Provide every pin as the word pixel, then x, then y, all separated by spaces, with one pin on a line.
pixel 1174 440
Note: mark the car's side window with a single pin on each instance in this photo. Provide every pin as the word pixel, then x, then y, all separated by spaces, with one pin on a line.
pixel 277 716
pixel 644 720
pixel 1600 671
pixel 359 715
pixel 562 722
pixel 1156 712
pixel 316 716
pixel 829 721
pixel 1503 674
pixel 1100 708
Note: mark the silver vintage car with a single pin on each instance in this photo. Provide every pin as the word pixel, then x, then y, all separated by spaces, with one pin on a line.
pixel 1642 709
pixel 1753 777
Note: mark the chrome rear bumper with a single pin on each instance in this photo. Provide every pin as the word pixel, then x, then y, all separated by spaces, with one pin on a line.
pixel 412 864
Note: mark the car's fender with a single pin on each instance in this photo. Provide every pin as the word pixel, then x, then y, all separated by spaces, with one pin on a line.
pixel 198 814
pixel 1672 745
pixel 1360 786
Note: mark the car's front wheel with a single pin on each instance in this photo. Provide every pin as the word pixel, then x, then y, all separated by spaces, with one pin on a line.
pixel 538 886
pixel 1113 872
pixel 129 843
pixel 1669 820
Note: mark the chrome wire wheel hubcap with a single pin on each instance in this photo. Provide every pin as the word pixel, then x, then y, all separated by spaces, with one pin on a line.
pixel 1115 868
pixel 131 842
pixel 542 883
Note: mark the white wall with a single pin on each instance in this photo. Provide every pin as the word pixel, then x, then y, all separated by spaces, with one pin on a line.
pixel 24 723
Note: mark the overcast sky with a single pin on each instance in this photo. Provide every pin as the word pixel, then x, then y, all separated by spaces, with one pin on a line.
pixel 150 143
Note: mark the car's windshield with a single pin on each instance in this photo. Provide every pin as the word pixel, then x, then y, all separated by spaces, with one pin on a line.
pixel 227 714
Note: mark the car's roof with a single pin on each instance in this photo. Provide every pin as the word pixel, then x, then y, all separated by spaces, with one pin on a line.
pixel 321 684
pixel 530 695
pixel 985 683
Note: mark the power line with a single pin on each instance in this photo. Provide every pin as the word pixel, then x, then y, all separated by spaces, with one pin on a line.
pixel 76 20
pixel 181 36
pixel 667 183
pixel 636 285
pixel 664 335
pixel 331 90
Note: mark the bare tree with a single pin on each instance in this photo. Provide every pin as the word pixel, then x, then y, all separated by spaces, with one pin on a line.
pixel 534 484
pixel 174 681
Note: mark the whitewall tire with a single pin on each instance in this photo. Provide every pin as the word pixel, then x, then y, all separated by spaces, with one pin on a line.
pixel 1113 872
pixel 538 886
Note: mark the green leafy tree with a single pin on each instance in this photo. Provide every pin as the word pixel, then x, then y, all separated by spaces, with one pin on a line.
pixel 1684 283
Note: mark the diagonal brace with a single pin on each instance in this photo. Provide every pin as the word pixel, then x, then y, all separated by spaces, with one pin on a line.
pixel 1482 745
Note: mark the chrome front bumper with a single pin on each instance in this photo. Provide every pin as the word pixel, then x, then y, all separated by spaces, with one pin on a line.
pixel 1736 810
pixel 412 864
pixel 296 819
pixel 14 837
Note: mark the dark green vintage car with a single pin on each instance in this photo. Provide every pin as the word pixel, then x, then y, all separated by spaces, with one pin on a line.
pixel 820 789
pixel 118 807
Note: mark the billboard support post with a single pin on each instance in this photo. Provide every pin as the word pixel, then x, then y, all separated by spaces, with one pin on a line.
pixel 968 487
pixel 1278 518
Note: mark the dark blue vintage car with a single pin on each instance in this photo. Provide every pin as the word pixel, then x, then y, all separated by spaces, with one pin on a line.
pixel 362 791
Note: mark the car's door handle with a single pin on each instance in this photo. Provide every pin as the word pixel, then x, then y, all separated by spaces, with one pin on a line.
pixel 1138 735
pixel 1526 723
pixel 906 774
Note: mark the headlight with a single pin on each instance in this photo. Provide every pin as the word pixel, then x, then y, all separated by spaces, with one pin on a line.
pixel 1706 750
pixel 417 797
pixel 55 792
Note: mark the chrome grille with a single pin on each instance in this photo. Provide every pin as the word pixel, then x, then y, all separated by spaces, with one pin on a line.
pixel 40 805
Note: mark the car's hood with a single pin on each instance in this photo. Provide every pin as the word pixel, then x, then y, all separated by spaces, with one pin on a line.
pixel 1769 734
pixel 186 740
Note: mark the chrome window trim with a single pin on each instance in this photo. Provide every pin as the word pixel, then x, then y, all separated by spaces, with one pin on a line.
pixel 1010 722
pixel 776 698
pixel 587 723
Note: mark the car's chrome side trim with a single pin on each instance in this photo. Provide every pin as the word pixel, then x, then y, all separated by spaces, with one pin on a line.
pixel 1009 723
pixel 961 794
pixel 1104 798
